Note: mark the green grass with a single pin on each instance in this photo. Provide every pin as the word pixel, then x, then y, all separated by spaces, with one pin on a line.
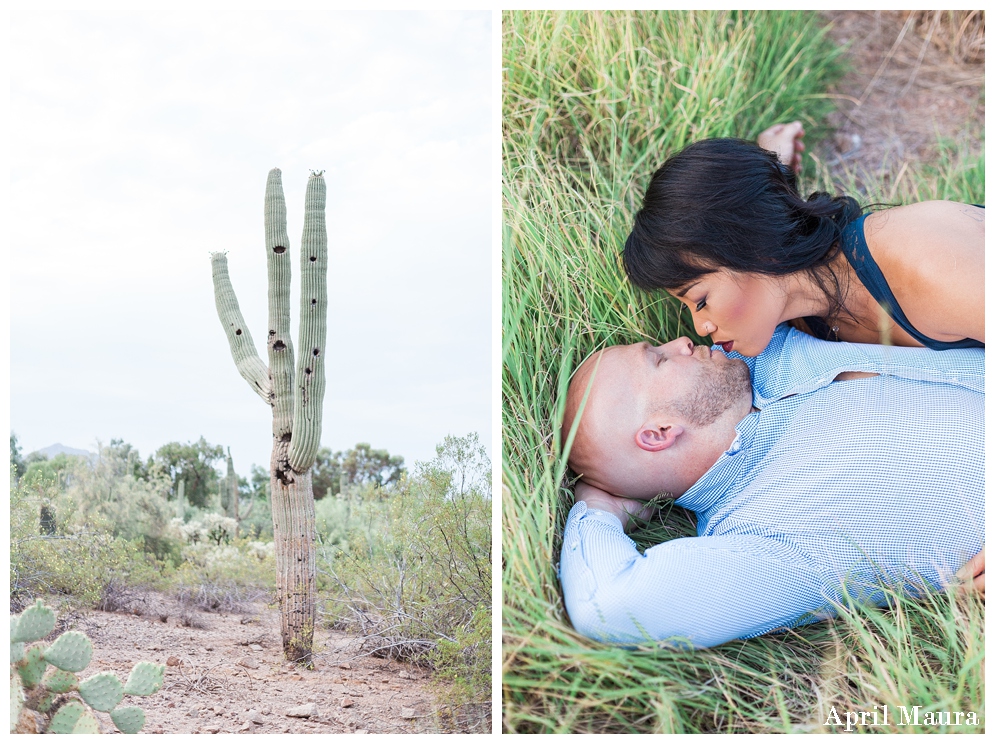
pixel 593 103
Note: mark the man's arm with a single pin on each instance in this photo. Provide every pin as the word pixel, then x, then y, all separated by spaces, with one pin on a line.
pixel 620 507
pixel 698 590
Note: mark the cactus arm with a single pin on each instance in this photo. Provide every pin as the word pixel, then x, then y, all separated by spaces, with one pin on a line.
pixel 309 391
pixel 278 340
pixel 243 351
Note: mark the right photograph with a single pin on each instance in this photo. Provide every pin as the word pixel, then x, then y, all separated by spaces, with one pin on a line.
pixel 743 351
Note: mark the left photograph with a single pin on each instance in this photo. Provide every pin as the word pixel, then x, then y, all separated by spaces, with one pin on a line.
pixel 250 372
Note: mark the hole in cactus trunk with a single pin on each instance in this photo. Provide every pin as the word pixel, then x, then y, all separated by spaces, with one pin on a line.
pixel 279 249
pixel 307 370
pixel 238 331
pixel 285 437
pixel 315 352
pixel 313 259
pixel 272 333
pixel 279 346
pixel 314 301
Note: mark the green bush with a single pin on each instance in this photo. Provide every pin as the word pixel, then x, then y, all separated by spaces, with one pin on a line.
pixel 355 512
pixel 107 495
pixel 76 564
pixel 414 572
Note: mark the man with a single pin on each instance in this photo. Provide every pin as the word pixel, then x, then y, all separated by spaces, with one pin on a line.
pixel 845 465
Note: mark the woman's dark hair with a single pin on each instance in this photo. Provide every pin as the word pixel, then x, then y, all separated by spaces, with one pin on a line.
pixel 728 203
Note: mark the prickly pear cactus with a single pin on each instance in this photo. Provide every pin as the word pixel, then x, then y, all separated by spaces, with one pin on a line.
pixel 46 696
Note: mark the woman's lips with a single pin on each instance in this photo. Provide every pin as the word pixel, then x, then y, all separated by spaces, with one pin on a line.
pixel 726 346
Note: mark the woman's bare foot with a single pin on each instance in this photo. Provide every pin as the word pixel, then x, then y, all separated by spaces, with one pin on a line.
pixel 786 141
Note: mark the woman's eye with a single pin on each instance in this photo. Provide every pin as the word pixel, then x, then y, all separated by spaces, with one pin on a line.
pixel 701 304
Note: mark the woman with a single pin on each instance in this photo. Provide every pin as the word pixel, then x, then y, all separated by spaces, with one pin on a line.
pixel 724 229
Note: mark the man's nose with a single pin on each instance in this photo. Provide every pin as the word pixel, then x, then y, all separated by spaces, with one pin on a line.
pixel 681 345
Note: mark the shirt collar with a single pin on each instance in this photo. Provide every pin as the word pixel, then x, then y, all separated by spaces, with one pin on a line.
pixel 715 483
pixel 795 363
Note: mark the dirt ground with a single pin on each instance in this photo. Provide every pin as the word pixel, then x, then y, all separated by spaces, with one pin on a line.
pixel 229 676
pixel 913 77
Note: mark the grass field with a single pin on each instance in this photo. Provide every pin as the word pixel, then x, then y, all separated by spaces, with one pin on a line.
pixel 593 103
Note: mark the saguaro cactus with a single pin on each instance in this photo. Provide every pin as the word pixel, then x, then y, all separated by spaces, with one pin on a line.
pixel 229 492
pixel 181 500
pixel 295 396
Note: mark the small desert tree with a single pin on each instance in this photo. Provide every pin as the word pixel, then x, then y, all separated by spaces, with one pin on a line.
pixel 295 396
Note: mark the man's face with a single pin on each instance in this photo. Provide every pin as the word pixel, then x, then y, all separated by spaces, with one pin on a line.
pixel 697 383
pixel 672 385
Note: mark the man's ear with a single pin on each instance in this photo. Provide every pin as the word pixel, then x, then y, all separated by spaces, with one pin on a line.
pixel 657 438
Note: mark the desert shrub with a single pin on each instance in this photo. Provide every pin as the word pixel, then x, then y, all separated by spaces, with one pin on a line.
pixel 77 562
pixel 416 578
pixel 354 514
pixel 255 512
pixel 462 674
pixel 208 527
pixel 106 493
pixel 225 577
pixel 58 469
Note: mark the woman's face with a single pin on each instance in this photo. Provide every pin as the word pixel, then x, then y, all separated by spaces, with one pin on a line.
pixel 738 310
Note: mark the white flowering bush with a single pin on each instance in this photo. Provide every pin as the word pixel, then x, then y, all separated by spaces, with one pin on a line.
pixel 210 528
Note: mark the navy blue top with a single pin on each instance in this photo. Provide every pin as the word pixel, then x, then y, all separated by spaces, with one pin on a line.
pixel 856 252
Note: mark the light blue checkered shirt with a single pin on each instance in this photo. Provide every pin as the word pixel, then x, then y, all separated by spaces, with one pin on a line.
pixel 854 482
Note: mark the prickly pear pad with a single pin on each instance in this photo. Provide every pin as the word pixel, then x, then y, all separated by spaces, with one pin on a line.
pixel 59 680
pixel 145 678
pixel 46 702
pixel 87 724
pixel 32 666
pixel 65 718
pixel 102 691
pixel 71 651
pixel 128 720
pixel 16 699
pixel 33 624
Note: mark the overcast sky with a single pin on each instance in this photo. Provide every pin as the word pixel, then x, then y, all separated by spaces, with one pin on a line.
pixel 140 142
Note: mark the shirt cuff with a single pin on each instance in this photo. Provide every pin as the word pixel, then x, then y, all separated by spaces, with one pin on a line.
pixel 580 513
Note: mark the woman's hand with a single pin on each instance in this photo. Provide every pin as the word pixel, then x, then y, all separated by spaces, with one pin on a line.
pixel 786 141
pixel 622 508
pixel 972 573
